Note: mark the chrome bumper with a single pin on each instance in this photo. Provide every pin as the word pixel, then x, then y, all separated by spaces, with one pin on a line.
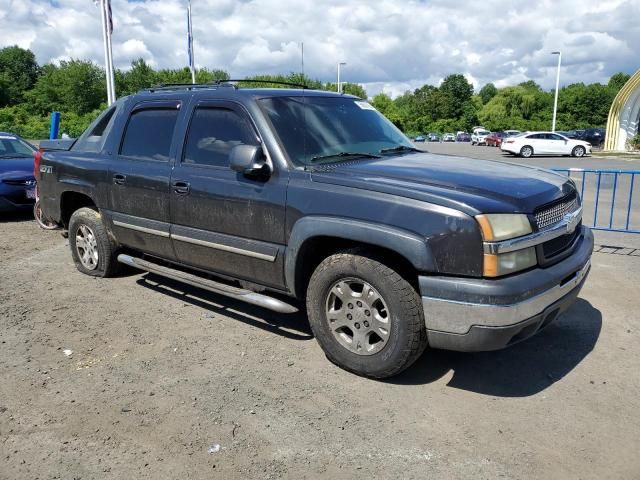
pixel 458 317
pixel 455 309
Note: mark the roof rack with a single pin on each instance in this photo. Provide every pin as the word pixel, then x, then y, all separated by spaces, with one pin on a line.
pixel 217 83
pixel 249 80
pixel 178 86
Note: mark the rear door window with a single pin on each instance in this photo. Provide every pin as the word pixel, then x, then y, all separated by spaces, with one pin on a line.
pixel 149 133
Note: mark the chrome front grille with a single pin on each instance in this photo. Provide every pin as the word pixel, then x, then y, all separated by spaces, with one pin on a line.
pixel 551 214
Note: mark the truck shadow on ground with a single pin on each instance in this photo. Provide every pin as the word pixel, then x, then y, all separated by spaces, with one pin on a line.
pixel 525 369
pixel 293 326
pixel 520 371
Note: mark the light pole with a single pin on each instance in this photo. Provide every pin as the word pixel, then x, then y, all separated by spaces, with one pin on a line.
pixel 555 102
pixel 339 86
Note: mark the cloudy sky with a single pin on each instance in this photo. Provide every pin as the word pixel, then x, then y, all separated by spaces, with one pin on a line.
pixel 388 45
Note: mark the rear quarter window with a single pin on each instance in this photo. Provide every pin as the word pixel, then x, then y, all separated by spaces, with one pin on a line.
pixel 93 139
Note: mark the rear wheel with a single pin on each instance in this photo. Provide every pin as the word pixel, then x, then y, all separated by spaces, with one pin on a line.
pixel 526 151
pixel 366 317
pixel 578 151
pixel 92 248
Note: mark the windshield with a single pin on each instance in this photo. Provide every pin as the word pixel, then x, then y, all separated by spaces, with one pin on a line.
pixel 332 129
pixel 13 147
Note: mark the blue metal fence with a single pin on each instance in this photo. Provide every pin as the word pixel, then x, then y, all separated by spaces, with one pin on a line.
pixel 604 207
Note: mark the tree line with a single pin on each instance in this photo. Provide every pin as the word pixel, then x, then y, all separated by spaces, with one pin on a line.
pixel 77 88
pixel 453 106
pixel 30 92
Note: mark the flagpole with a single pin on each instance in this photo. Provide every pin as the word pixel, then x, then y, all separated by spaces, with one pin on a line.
pixel 110 49
pixel 106 51
pixel 192 62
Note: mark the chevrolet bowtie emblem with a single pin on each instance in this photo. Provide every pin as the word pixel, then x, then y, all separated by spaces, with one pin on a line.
pixel 572 220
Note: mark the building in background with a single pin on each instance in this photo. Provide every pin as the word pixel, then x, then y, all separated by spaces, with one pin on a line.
pixel 624 116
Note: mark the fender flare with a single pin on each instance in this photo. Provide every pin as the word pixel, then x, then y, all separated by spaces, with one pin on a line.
pixel 407 244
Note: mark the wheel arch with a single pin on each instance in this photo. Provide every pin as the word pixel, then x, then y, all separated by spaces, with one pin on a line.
pixel 70 201
pixel 312 239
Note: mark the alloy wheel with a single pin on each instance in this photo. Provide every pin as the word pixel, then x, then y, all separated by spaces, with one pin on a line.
pixel 358 316
pixel 87 247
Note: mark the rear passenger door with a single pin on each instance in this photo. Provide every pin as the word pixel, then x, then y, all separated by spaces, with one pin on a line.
pixel 139 175
pixel 537 141
pixel 222 220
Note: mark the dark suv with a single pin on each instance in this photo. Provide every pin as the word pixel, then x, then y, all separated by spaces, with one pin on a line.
pixel 290 197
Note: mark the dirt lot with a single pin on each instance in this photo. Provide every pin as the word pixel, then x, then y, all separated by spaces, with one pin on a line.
pixel 159 375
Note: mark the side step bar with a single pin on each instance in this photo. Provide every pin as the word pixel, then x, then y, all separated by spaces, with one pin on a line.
pixel 241 294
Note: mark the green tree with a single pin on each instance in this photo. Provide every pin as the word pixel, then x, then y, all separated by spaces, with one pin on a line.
pixel 488 92
pixel 139 76
pixel 617 81
pixel 457 91
pixel 18 73
pixel 354 89
pixel 76 86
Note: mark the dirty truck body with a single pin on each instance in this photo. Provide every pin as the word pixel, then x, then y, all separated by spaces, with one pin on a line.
pixel 290 197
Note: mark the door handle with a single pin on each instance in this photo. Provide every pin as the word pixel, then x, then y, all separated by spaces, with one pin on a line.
pixel 181 188
pixel 119 179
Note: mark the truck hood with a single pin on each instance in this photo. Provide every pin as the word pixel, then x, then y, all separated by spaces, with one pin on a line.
pixel 470 185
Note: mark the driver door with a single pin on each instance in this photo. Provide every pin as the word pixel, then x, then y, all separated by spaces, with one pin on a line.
pixel 222 220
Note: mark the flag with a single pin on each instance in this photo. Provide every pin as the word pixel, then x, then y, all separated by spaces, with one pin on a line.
pixel 109 17
pixel 189 37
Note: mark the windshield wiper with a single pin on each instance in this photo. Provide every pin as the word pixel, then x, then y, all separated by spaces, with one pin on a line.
pixel 400 148
pixel 342 155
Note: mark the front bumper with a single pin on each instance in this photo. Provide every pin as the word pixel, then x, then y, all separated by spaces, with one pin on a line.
pixel 469 314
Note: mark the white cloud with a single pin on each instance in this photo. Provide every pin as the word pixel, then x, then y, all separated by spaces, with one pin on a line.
pixel 389 45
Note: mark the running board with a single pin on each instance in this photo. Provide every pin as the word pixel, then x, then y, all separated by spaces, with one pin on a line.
pixel 241 294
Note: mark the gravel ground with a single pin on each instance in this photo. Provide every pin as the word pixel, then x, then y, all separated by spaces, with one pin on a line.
pixel 171 382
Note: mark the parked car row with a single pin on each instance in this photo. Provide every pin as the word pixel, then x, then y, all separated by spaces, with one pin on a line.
pixel 482 136
pixel 446 137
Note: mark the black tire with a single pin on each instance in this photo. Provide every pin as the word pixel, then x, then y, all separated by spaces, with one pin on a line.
pixel 106 264
pixel 578 151
pixel 407 337
pixel 526 151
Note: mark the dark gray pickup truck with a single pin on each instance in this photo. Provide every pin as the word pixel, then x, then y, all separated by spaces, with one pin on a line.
pixel 287 197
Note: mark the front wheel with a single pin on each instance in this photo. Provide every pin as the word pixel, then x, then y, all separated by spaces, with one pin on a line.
pixel 366 317
pixel 578 151
pixel 92 248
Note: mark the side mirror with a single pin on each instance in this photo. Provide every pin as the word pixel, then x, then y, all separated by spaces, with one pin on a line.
pixel 249 160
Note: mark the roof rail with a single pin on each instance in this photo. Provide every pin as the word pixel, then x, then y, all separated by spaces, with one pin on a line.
pixel 217 83
pixel 178 86
pixel 249 80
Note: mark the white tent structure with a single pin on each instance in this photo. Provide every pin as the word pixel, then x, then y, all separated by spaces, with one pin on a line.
pixel 624 116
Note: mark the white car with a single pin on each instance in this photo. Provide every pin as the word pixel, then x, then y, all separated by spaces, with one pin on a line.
pixel 448 137
pixel 479 136
pixel 545 143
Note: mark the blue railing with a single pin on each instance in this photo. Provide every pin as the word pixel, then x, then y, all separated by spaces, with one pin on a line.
pixel 597 202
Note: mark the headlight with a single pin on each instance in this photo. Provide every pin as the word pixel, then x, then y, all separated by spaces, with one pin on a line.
pixel 503 226
pixel 496 265
pixel 496 227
